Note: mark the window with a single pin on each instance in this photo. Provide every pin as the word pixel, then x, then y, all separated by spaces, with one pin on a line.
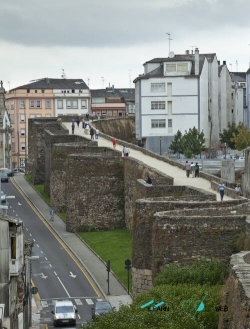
pixel 22 104
pixel 177 67
pixel 169 107
pixel 60 104
pixel 98 100
pixel 170 67
pixel 73 91
pixel 68 104
pixel 157 87
pixel 158 105
pixel 38 115
pixel 22 132
pixel 182 67
pixel 72 104
pixel 22 117
pixel 22 146
pixel 169 89
pixel 13 247
pixel 43 91
pixel 32 104
pixel 104 112
pixel 47 104
pixel 47 115
pixel 32 116
pixel 170 125
pixel 75 104
pixel 38 104
pixel 83 103
pixel 158 123
pixel 35 91
pixel 28 90
pixel 80 91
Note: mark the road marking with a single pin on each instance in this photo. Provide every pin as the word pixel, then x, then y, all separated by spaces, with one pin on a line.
pixel 72 275
pixel 57 237
pixel 64 287
pixel 89 301
pixel 44 303
pixel 78 301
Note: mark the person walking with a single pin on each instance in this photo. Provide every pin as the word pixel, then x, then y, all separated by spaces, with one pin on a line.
pixel 192 169
pixel 114 143
pixel 51 212
pixel 187 168
pixel 86 131
pixel 92 132
pixel 96 134
pixel 125 151
pixel 197 170
pixel 77 122
pixel 221 187
pixel 83 123
pixel 73 127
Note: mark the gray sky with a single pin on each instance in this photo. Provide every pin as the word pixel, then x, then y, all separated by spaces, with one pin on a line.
pixel 107 41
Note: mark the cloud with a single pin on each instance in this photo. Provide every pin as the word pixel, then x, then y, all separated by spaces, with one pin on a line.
pixel 112 23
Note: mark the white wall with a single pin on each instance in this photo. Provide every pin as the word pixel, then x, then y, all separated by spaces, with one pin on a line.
pixel 238 106
pixel 150 67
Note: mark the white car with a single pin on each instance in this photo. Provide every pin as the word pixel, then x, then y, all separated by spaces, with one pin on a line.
pixel 64 313
pixel 241 158
pixel 3 197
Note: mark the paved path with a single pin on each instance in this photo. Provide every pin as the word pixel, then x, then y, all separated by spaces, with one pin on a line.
pixel 178 174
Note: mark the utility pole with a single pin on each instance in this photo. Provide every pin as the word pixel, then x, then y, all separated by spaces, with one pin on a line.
pixel 129 78
pixel 169 41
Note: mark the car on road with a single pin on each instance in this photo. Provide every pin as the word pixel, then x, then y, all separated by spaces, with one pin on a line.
pixel 100 308
pixel 4 177
pixel 17 170
pixel 7 171
pixel 3 197
pixel 64 313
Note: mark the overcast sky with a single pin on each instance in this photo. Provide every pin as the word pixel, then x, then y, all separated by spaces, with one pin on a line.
pixel 107 41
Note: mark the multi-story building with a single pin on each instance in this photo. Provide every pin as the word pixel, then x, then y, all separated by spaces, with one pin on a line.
pixel 113 102
pixel 42 98
pixel 178 93
pixel 239 108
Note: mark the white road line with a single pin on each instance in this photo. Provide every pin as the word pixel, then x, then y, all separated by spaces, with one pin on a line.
pixel 99 299
pixel 44 303
pixel 30 234
pixel 50 265
pixel 41 252
pixel 55 273
pixel 46 258
pixel 89 301
pixel 78 301
pixel 63 287
pixel 37 246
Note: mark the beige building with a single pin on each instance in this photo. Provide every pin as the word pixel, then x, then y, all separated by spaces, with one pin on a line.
pixel 42 98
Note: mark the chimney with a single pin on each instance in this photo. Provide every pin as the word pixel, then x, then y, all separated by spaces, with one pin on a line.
pixel 47 81
pixel 197 62
pixel 113 88
pixel 218 62
pixel 224 63
pixel 187 52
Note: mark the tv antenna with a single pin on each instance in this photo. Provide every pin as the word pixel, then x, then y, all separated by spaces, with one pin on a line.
pixel 169 38
pixel 63 74
pixel 9 85
pixel 193 48
pixel 236 66
pixel 129 78
pixel 88 81
pixel 103 80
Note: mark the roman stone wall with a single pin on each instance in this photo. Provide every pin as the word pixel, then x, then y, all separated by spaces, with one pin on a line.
pixel 59 162
pixel 161 237
pixel 133 170
pixel 94 191
pixel 59 137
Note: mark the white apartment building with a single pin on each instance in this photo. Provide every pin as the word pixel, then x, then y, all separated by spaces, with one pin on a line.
pixel 178 93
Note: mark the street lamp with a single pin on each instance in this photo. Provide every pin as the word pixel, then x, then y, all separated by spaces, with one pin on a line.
pixel 160 145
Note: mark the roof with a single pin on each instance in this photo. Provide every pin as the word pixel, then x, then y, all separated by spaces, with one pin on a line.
pixel 10 219
pixel 48 83
pixel 126 93
pixel 238 76
pixel 158 72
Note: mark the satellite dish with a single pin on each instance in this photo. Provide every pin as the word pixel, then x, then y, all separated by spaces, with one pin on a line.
pixel 171 54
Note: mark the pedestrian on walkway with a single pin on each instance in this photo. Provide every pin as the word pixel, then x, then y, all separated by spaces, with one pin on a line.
pixel 73 127
pixel 92 132
pixel 83 123
pixel 197 170
pixel 187 168
pixel 149 180
pixel 125 151
pixel 96 134
pixel 221 189
pixel 51 212
pixel 114 143
pixel 78 122
pixel 86 131
pixel 192 169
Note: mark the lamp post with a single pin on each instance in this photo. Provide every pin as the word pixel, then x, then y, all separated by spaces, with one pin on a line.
pixel 160 145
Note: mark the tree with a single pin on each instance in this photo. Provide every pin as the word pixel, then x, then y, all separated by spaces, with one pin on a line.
pixel 241 139
pixel 177 144
pixel 227 134
pixel 193 142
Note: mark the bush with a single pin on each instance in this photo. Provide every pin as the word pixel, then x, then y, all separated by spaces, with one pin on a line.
pixel 200 272
pixel 181 303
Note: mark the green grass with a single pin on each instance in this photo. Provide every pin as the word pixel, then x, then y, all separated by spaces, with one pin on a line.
pixel 115 246
pixel 39 188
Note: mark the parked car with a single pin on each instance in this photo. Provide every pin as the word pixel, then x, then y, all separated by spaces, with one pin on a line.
pixel 7 171
pixel 4 177
pixel 3 197
pixel 17 170
pixel 64 313
pixel 101 308
pixel 241 158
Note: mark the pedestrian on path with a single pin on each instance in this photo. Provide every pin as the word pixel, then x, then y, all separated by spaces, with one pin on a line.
pixel 221 189
pixel 77 122
pixel 92 132
pixel 197 170
pixel 83 123
pixel 73 128
pixel 96 134
pixel 114 143
pixel 187 168
pixel 86 131
pixel 51 212
pixel 192 169
pixel 125 151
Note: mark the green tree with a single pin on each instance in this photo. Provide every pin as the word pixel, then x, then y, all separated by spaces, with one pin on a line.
pixel 177 144
pixel 241 139
pixel 193 142
pixel 227 134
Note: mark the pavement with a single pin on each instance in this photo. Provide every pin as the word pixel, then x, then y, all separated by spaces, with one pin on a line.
pixel 94 266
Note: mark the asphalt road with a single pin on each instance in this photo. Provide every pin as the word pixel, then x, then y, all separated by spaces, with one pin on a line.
pixel 57 274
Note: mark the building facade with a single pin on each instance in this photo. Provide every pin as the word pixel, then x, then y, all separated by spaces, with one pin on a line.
pixel 239 108
pixel 42 98
pixel 112 102
pixel 178 93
